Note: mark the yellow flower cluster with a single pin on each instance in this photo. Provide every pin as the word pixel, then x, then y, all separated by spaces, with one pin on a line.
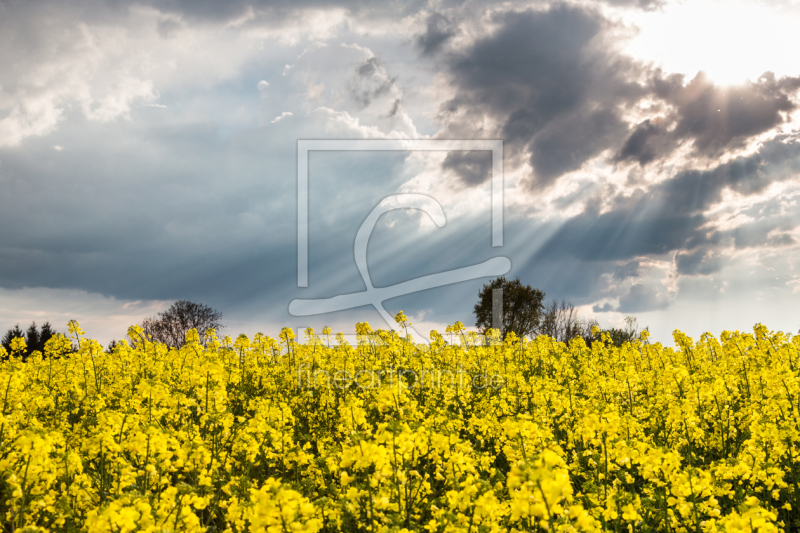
pixel 466 434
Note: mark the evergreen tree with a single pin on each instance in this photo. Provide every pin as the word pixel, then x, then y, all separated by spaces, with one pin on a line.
pixel 32 338
pixel 10 335
pixel 35 338
pixel 45 334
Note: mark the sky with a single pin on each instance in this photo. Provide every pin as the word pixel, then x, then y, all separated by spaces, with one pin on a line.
pixel 149 153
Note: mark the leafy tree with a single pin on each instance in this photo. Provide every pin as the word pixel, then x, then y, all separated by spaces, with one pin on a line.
pixel 522 307
pixel 172 325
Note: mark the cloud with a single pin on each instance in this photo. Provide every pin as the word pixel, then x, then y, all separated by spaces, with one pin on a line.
pixel 554 86
pixel 438 30
pixel 643 4
pixel 642 298
pixel 766 232
pixel 570 141
pixel 711 117
pixel 546 84
pixel 673 214
pixel 630 269
pixel 168 28
pixel 397 107
pixel 701 261
pixel 716 117
pixel 370 81
pixel 648 141
pixel 347 80
pixel 275 12
pixel 614 170
pixel 126 92
pixel 102 317
pixel 605 308
pixel 57 60
pixel 281 116
pixel 473 167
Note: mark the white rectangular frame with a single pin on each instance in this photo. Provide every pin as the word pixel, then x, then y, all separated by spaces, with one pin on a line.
pixel 305 146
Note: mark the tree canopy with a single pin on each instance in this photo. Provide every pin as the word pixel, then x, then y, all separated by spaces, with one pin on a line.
pixel 172 325
pixel 522 307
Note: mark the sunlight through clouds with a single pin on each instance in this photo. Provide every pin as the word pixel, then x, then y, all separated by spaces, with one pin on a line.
pixel 148 153
pixel 730 40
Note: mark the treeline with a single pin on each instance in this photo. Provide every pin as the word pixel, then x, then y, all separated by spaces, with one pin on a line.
pixel 517 307
pixel 169 327
pixel 522 309
pixel 35 338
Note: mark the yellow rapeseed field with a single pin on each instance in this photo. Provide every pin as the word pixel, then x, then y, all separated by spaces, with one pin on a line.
pixel 310 435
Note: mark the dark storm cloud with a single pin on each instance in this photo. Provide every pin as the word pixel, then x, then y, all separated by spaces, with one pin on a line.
pixel 145 218
pixel 167 221
pixel 473 167
pixel 166 211
pixel 569 142
pixel 670 215
pixel 649 140
pixel 714 118
pixel 438 30
pixel 556 89
pixel 545 77
pixel 605 308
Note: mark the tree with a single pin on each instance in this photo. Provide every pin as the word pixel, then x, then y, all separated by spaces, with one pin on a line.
pixel 619 336
pixel 45 334
pixel 32 338
pixel 561 322
pixel 35 339
pixel 522 307
pixel 10 335
pixel 172 325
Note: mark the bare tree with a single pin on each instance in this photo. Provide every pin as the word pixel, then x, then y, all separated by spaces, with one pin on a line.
pixel 561 322
pixel 172 325
pixel 619 336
